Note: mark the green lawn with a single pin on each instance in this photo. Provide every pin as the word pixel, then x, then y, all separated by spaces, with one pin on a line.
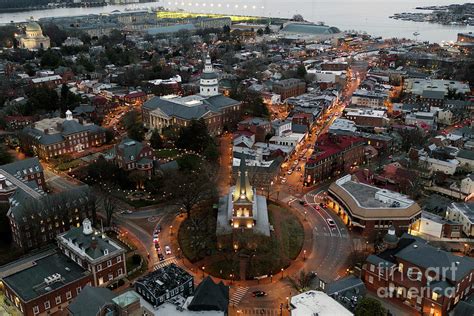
pixel 166 153
pixel 64 166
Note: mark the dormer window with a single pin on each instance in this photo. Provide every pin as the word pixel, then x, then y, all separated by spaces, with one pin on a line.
pixel 106 251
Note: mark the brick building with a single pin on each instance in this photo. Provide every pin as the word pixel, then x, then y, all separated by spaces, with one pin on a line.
pixel 36 218
pixel 132 155
pixel 333 155
pixel 49 138
pixel 412 273
pixel 95 252
pixel 218 111
pixel 289 88
pixel 44 284
pixel 258 126
pixel 370 208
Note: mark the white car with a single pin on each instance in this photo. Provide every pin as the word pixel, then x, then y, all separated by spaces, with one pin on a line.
pixel 283 180
pixel 126 212
pixel 331 223
pixel 167 250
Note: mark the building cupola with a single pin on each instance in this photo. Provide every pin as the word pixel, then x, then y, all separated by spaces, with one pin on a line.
pixel 209 84
pixel 87 227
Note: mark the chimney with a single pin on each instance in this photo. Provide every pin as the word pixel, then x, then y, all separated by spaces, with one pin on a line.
pixel 94 243
pixel 46 131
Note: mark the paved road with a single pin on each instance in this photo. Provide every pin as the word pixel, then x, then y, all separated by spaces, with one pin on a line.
pixel 58 182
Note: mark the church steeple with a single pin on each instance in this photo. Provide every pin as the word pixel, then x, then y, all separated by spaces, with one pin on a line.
pixel 209 84
pixel 243 189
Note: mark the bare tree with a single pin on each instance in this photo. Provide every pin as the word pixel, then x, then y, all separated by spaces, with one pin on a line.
pixel 109 209
pixel 189 188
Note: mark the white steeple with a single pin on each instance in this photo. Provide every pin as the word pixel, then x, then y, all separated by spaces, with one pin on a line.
pixel 69 115
pixel 209 85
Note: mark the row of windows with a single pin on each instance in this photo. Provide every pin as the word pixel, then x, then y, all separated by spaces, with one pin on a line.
pixel 57 300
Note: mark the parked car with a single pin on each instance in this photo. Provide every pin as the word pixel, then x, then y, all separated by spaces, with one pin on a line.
pixel 167 250
pixel 161 257
pixel 331 223
pixel 126 212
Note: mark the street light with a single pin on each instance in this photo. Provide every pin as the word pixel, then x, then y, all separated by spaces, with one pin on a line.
pixel 304 254
pixel 282 273
pixel 203 267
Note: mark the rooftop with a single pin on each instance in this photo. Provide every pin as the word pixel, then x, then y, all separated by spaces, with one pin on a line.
pixel 316 303
pixel 48 274
pixel 168 277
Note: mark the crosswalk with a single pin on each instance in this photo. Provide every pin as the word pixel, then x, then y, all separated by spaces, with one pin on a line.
pixel 238 294
pixel 165 262
pixel 259 311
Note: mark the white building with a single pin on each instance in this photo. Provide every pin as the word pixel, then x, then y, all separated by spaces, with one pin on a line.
pixel 33 37
pixel 437 165
pixel 418 86
pixel 343 125
pixel 445 117
pixel 462 213
pixel 466 159
pixel 281 127
pixel 73 42
pixel 421 119
pixel 290 139
pixel 431 224
pixel 316 303
pixel 369 98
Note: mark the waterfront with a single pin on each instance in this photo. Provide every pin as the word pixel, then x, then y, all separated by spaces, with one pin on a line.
pixel 371 16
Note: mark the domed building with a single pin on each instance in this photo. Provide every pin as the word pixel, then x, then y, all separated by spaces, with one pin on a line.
pixel 33 37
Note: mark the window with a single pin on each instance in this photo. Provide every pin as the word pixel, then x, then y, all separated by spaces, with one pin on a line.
pixel 99 267
pixel 78 290
pixel 47 305
pixel 36 310
pixel 109 263
pixel 119 272
pixel 111 277
pixel 119 259
pixel 58 300
pixel 68 295
pixel 371 279
pixel 372 268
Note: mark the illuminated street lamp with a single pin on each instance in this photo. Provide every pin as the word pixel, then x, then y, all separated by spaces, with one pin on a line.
pixel 203 267
pixel 304 254
pixel 282 273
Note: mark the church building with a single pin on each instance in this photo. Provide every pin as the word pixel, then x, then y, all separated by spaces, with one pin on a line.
pixel 242 209
pixel 33 37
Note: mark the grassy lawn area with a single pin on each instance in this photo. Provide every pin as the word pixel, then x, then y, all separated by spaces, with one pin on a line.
pixel 262 255
pixel 166 153
pixel 64 166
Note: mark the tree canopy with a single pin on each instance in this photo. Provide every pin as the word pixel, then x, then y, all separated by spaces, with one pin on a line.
pixel 369 307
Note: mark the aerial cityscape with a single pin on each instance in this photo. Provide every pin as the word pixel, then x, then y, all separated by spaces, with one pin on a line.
pixel 186 158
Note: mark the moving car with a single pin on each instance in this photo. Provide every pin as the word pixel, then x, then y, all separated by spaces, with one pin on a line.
pixel 161 257
pixel 167 250
pixel 290 172
pixel 126 212
pixel 259 293
pixel 331 223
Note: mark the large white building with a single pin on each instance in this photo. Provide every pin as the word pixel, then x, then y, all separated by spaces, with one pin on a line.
pixel 419 86
pixel 462 213
pixel 316 303
pixel 33 37
pixel 369 99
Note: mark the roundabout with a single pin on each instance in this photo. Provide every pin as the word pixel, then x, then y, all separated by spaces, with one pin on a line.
pixel 262 257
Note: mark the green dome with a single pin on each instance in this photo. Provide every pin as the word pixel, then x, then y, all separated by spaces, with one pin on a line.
pixel 33 27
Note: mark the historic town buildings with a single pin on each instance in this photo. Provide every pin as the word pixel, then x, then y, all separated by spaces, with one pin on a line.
pixel 53 137
pixel 218 111
pixel 94 251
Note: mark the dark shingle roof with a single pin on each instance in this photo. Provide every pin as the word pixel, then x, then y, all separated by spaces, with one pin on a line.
pixel 29 283
pixel 23 167
pixel 90 301
pixel 85 242
pixel 174 109
pixel 210 296
pixel 466 154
